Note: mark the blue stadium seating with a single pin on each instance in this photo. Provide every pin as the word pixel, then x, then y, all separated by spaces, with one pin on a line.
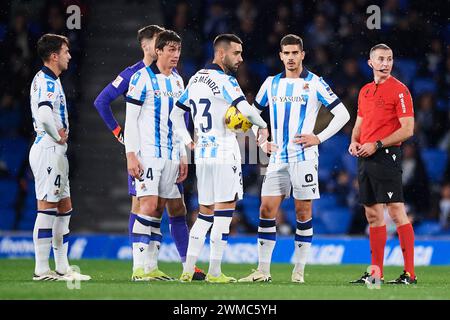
pixel 435 161
pixel 330 153
pixel 8 193
pixel 336 220
pixel 407 69
pixel 27 219
pixel 250 205
pixel 7 218
pixel 9 121
pixel 13 152
pixel 428 228
pixel 364 67
pixel 424 85
pixel 350 164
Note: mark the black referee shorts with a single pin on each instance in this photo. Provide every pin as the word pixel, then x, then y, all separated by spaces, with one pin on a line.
pixel 380 177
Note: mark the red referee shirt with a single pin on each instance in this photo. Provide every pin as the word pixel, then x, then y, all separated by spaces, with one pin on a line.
pixel 380 107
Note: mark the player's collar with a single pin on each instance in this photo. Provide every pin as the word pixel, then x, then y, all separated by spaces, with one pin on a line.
pixel 304 74
pixel 214 66
pixel 49 72
pixel 154 68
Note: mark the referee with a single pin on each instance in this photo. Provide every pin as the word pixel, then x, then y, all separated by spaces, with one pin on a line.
pixel 385 119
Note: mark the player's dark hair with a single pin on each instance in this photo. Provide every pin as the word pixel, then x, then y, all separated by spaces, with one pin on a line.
pixel 50 43
pixel 166 37
pixel 379 46
pixel 148 32
pixel 226 38
pixel 291 39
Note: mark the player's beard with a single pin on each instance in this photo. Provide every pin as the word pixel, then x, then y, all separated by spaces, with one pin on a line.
pixel 229 65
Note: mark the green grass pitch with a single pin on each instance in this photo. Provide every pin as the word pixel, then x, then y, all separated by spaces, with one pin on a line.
pixel 111 280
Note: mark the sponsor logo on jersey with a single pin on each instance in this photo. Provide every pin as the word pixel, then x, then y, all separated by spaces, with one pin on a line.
pixel 293 99
pixel 402 101
pixel 117 81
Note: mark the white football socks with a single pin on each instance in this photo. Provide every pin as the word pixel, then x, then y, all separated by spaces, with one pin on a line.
pixel 42 239
pixel 197 237
pixel 141 238
pixel 61 241
pixel 267 235
pixel 151 261
pixel 219 239
pixel 303 239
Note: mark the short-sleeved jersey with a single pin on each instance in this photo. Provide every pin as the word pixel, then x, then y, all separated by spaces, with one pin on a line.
pixel 294 105
pixel 46 89
pixel 380 106
pixel 209 94
pixel 156 94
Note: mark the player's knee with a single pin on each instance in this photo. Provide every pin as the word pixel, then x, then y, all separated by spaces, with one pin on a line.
pixel 148 207
pixel 397 213
pixel 303 215
pixel 373 216
pixel 266 211
pixel 176 209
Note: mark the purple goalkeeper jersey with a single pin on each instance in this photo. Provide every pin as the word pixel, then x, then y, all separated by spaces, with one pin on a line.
pixel 113 90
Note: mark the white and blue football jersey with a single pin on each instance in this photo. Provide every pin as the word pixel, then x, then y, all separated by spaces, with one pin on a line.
pixel 156 94
pixel 46 89
pixel 208 96
pixel 294 105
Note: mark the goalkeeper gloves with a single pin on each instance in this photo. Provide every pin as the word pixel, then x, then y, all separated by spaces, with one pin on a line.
pixel 118 133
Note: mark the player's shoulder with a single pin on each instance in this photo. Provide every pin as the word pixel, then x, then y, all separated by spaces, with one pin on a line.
pixel 397 84
pixel 46 80
pixel 129 71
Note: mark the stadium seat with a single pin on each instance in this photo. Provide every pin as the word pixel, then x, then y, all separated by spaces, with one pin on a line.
pixel 9 121
pixel 330 153
pixel 423 85
pixel 8 193
pixel 407 69
pixel 336 220
pixel 350 164
pixel 7 219
pixel 250 210
pixel 288 208
pixel 13 152
pixel 428 228
pixel 435 161
pixel 27 220
pixel 364 67
pixel 327 201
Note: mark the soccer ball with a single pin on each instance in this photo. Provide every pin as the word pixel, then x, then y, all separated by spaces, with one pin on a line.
pixel 236 121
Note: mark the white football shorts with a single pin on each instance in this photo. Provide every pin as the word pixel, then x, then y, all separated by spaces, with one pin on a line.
pixel 218 182
pixel 158 179
pixel 50 168
pixel 302 176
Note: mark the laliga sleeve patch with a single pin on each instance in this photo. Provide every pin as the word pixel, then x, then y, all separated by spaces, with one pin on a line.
pixel 116 83
pixel 50 86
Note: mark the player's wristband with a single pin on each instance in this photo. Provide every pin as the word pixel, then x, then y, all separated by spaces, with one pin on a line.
pixel 117 131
